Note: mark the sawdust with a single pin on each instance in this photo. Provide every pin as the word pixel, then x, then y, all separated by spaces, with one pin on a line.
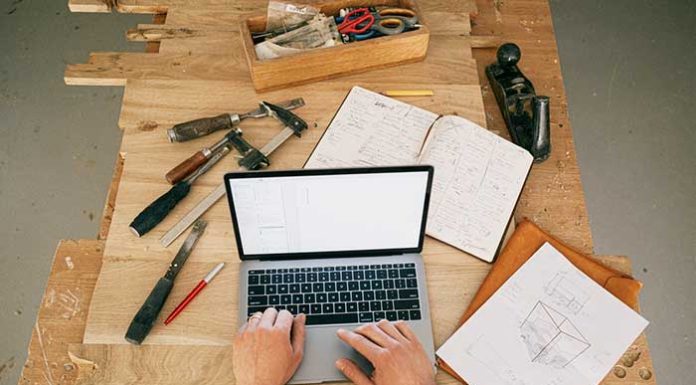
pixel 69 263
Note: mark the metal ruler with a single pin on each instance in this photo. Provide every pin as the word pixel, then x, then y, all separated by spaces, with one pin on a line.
pixel 219 192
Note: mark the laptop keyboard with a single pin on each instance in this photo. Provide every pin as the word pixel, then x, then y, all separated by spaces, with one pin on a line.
pixel 338 294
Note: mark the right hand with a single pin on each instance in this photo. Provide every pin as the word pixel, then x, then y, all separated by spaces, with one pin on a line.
pixel 394 351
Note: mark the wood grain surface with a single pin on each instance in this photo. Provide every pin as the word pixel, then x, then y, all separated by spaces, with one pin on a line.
pixel 57 356
pixel 553 196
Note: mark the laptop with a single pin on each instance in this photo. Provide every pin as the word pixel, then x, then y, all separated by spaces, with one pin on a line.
pixel 339 245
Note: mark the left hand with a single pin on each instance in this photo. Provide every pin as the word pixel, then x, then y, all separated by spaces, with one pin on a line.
pixel 268 348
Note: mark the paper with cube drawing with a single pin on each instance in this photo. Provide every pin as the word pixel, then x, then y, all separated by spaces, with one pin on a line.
pixel 549 324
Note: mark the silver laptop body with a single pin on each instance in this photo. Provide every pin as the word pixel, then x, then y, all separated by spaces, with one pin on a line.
pixel 356 234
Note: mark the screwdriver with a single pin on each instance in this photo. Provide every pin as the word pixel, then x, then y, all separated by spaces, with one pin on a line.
pixel 160 208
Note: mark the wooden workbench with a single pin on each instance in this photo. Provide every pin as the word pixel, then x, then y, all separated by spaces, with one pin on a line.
pixel 553 197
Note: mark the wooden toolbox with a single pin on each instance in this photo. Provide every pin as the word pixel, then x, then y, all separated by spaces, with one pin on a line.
pixel 324 63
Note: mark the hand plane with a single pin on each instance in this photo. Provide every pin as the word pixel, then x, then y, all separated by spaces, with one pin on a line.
pixel 526 114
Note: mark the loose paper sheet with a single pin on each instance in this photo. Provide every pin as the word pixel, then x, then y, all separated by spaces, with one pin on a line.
pixel 549 324
pixel 478 178
pixel 478 175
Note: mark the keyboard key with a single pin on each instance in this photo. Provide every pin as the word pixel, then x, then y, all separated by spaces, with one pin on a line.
pixel 285 299
pixel 300 278
pixel 364 306
pixel 342 286
pixel 340 268
pixel 388 283
pixel 321 298
pixel 274 300
pixel 391 315
pixel 410 265
pixel 309 298
pixel 256 290
pixel 402 315
pixel 279 307
pixel 295 288
pixel 297 299
pixel 335 276
pixel 325 319
pixel 255 272
pixel 381 274
pixel 340 308
pixel 387 266
pixel 271 289
pixel 265 279
pixel 407 273
pixel 365 317
pixel 283 289
pixel 408 294
pixel 400 283
pixel 363 267
pixel 353 286
pixel 312 277
pixel 306 287
pixel 387 305
pixel 392 294
pixel 330 286
pixel 260 300
pixel 288 278
pixel 352 307
pixel 253 280
pixel 318 287
pixel 370 274
pixel 369 295
pixel 294 270
pixel 327 308
pixel 379 315
pixel 412 282
pixel 380 295
pixel 375 306
pixel 345 296
pixel 333 297
pixel 255 309
pixel 304 309
pixel 323 277
pixel 316 269
pixel 276 278
pixel 364 285
pixel 356 296
pixel 414 315
pixel 271 271
pixel 315 308
pixel 376 285
pixel 393 273
pixel 346 275
pixel 406 305
pixel 358 275
pixel 305 269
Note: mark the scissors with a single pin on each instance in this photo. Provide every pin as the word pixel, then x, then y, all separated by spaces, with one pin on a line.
pixel 356 21
pixel 386 21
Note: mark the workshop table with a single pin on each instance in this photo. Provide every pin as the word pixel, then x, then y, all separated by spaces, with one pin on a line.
pixel 553 198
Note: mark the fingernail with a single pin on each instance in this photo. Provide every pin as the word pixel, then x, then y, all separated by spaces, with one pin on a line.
pixel 340 331
pixel 339 364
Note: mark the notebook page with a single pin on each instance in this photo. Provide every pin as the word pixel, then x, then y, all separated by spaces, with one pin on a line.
pixel 372 130
pixel 549 324
pixel 478 178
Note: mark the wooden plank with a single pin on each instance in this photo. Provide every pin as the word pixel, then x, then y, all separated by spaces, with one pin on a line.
pixel 91 6
pixel 553 196
pixel 108 211
pixel 50 363
pixel 62 313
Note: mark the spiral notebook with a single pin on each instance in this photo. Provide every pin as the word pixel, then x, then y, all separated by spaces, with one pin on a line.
pixel 478 175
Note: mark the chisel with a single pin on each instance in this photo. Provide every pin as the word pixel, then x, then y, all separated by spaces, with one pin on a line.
pixel 160 208
pixel 146 316
pixel 185 168
pixel 200 127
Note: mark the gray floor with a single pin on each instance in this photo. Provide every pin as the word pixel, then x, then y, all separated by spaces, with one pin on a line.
pixel 627 68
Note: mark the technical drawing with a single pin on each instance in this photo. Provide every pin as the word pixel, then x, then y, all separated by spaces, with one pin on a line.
pixel 566 293
pixel 551 338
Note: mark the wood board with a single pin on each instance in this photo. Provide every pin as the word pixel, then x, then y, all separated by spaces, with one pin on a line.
pixel 56 355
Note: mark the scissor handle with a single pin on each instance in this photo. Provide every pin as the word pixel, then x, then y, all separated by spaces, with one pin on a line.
pixel 390 25
pixel 407 15
pixel 357 21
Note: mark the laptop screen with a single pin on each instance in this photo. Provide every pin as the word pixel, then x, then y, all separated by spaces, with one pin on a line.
pixel 322 213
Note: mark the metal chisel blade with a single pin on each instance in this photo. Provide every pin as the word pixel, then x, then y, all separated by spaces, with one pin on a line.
pixel 185 250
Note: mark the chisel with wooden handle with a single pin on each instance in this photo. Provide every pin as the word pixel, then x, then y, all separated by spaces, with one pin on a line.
pixel 193 129
pixel 185 168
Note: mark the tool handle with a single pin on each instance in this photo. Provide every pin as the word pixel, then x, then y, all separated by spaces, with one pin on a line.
pixel 159 209
pixel 145 317
pixel 193 129
pixel 185 168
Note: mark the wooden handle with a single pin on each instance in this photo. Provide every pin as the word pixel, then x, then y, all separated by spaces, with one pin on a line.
pixel 186 167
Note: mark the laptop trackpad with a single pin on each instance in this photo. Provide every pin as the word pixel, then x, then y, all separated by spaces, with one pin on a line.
pixel 322 349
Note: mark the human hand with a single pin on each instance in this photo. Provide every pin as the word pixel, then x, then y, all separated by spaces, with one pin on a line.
pixel 268 348
pixel 394 351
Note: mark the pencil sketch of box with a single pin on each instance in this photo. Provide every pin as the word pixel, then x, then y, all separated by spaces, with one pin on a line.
pixel 551 338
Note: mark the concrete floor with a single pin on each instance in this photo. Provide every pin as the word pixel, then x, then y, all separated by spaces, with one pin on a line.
pixel 627 67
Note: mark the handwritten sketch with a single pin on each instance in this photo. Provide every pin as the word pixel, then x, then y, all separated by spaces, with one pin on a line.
pixel 551 338
pixel 565 292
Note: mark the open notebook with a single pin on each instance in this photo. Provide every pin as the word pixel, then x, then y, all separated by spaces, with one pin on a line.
pixel 478 175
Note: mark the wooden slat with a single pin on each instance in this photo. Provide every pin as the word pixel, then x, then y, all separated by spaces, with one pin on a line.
pixel 91 6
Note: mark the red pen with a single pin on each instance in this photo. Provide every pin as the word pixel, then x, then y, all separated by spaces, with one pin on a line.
pixel 203 283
